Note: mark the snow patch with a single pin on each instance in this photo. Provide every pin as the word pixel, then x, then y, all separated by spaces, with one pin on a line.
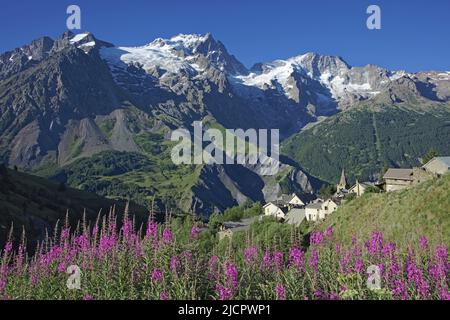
pixel 149 56
pixel 88 44
pixel 172 55
pixel 278 71
pixel 78 37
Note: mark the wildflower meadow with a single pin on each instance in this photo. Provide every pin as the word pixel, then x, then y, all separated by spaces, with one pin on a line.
pixel 160 261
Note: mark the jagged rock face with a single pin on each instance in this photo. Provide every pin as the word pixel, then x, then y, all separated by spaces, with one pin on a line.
pixel 64 99
pixel 68 85
pixel 434 85
pixel 223 186
pixel 12 62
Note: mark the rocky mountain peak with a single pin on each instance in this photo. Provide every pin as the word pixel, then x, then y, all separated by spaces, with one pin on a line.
pixel 24 57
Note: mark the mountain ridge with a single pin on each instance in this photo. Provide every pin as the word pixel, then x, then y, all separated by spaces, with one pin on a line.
pixel 79 96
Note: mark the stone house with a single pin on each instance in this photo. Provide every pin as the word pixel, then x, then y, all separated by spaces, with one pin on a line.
pixel 398 179
pixel 437 166
pixel 276 209
pixel 359 188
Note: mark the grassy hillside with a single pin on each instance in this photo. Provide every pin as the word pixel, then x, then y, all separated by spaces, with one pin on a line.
pixel 401 216
pixel 140 176
pixel 368 137
pixel 37 204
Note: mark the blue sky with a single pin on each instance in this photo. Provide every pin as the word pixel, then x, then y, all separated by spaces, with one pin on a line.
pixel 414 35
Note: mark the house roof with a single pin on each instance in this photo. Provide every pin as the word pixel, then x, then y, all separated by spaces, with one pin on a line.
pixel 316 205
pixel 279 204
pixel 286 198
pixel 337 200
pixel 363 184
pixel 329 201
pixel 268 204
pixel 283 201
pixel 399 174
pixel 295 216
pixel 444 160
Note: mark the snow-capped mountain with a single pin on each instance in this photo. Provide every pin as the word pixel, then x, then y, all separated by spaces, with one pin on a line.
pixel 333 80
pixel 169 56
pixel 188 54
pixel 68 99
pixel 319 84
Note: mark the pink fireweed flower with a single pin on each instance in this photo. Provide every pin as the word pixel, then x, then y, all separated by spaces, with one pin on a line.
pixel 138 247
pixel 399 290
pixel 314 260
pixel 164 295
pixel 423 288
pixel 195 231
pixel 344 263
pixel 359 265
pixel 61 267
pixel 47 258
pixel 333 296
pixel 174 264
pixel 187 255
pixel 415 276
pixel 167 235
pixel 329 232
pixel 157 275
pixel 439 267
pixel 250 254
pixel 423 242
pixel 375 245
pixel 213 263
pixel 127 229
pixel 388 250
pixel 278 260
pixel 82 241
pixel 95 231
pixel 316 238
pixel 338 248
pixel 382 269
pixel 318 294
pixel 267 260
pixel 296 256
pixel 441 253
pixel 87 297
pixel 232 274
pixel 106 244
pixel 223 292
pixel 444 294
pixel 65 234
pixel 34 280
pixel 281 293
pixel 393 270
pixel 152 230
pixel 8 247
pixel 20 257
pixel 213 266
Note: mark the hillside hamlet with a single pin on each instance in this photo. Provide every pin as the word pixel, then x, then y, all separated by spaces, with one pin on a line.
pixel 293 209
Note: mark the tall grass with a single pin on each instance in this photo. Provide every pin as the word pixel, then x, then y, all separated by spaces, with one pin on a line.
pixel 157 263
